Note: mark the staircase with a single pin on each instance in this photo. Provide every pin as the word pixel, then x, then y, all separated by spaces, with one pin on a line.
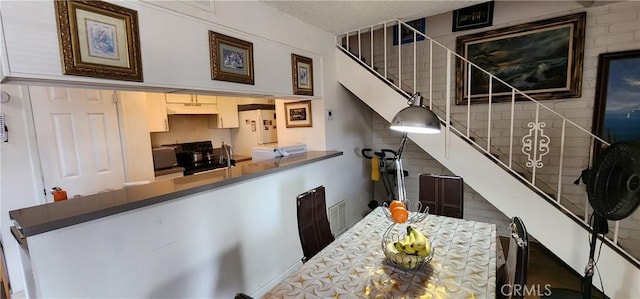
pixel 516 152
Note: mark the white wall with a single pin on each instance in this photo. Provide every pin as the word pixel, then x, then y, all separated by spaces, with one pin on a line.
pixel 175 49
pixel 19 188
pixel 175 55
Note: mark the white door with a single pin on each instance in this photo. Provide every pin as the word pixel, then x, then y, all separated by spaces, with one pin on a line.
pixel 78 139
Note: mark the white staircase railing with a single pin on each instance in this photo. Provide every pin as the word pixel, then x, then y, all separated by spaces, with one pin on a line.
pixel 544 149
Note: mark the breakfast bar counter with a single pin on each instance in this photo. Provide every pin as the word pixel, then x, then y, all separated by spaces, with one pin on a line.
pixel 43 218
pixel 194 236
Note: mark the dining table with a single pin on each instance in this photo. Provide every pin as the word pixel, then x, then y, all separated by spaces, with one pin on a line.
pixel 354 265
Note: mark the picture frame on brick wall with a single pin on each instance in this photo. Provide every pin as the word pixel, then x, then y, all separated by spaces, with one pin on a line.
pixel 541 59
pixel 616 114
pixel 407 34
pixel 473 17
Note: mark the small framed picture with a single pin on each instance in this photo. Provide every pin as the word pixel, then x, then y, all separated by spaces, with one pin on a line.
pixel 99 39
pixel 298 114
pixel 302 75
pixel 473 17
pixel 406 34
pixel 231 59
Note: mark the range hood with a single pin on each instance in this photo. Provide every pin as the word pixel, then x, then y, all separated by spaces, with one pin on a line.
pixel 192 108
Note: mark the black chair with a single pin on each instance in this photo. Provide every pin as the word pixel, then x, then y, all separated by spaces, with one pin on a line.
pixel 443 194
pixel 313 224
pixel 512 278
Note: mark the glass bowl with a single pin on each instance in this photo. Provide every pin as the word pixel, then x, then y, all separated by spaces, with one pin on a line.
pixel 410 256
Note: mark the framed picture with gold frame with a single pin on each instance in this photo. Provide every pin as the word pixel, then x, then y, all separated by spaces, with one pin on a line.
pixel 231 59
pixel 298 114
pixel 99 39
pixel 302 75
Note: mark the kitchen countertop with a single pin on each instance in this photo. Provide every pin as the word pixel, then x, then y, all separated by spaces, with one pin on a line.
pixel 47 217
pixel 240 158
pixel 168 171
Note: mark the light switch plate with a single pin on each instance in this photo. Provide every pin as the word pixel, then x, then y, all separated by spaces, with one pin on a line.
pixel 329 114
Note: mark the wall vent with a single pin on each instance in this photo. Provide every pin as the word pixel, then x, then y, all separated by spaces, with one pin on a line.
pixel 338 218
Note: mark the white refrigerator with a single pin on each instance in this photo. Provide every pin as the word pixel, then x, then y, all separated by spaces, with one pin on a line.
pixel 257 128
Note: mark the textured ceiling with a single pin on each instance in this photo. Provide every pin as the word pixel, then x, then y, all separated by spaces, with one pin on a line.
pixel 341 16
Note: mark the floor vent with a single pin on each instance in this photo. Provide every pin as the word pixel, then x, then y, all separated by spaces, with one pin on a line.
pixel 338 218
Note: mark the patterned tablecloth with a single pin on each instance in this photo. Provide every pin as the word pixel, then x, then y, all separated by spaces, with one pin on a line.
pixel 354 266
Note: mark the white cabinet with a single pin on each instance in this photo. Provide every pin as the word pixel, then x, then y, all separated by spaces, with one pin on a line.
pixel 157 113
pixel 200 99
pixel 227 114
pixel 191 104
pixel 176 98
pixel 249 101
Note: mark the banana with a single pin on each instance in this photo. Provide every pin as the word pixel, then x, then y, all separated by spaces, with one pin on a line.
pixel 410 261
pixel 420 239
pixel 409 249
pixel 391 248
pixel 423 252
pixel 419 243
pixel 399 247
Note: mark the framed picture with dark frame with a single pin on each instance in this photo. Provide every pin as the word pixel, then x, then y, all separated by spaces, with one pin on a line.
pixel 302 75
pixel 99 39
pixel 616 115
pixel 406 34
pixel 473 17
pixel 542 59
pixel 231 59
pixel 298 114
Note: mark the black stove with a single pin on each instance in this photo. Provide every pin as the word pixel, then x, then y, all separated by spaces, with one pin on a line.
pixel 197 157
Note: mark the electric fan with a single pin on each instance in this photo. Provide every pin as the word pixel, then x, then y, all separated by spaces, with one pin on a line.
pixel 613 189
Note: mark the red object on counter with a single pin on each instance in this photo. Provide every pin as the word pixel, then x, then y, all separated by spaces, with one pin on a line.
pixel 59 195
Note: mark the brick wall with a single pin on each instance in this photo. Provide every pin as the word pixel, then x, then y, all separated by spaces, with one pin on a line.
pixel 609 28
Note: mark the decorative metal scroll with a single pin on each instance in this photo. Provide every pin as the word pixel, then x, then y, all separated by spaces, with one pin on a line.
pixel 535 144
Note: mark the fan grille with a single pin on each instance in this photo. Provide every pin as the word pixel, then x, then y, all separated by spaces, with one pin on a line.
pixel 614 183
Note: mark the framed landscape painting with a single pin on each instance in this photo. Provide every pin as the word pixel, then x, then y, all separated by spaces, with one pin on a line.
pixel 99 39
pixel 616 114
pixel 543 59
pixel 231 59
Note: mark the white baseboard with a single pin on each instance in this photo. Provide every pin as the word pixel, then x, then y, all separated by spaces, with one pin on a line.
pixel 263 290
